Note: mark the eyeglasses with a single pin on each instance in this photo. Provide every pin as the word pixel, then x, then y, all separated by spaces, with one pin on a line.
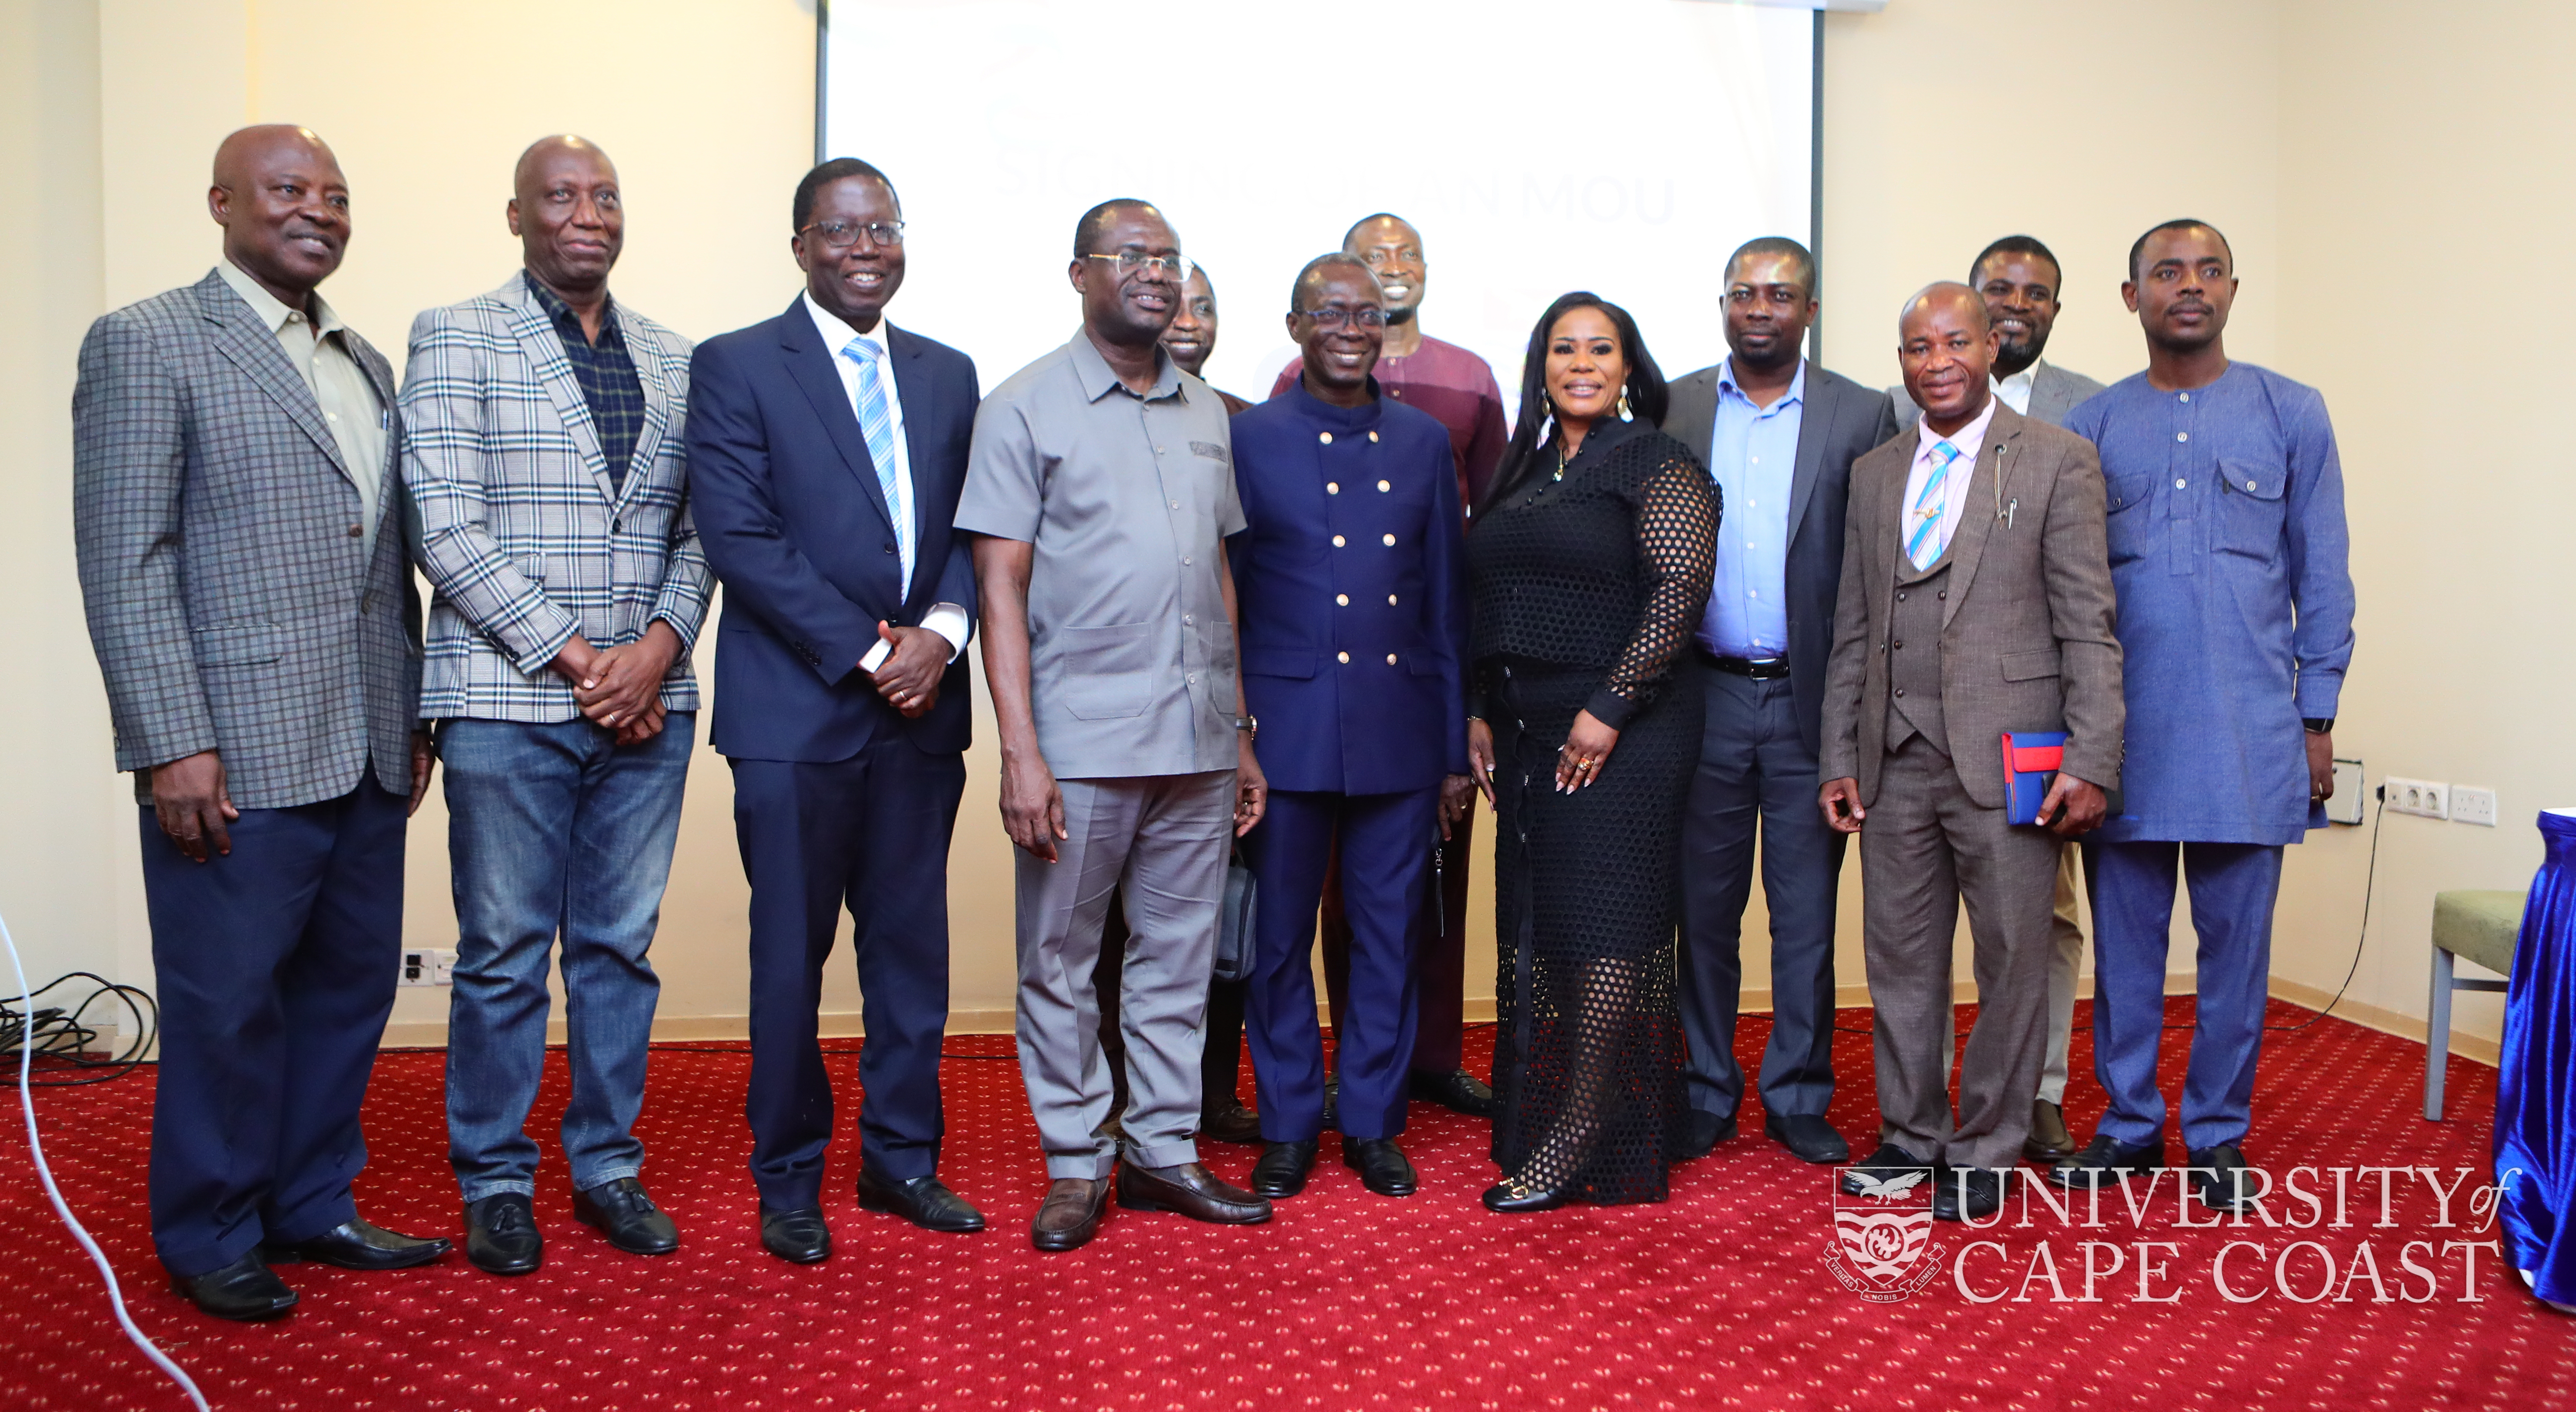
pixel 841 235
pixel 1366 316
pixel 1131 263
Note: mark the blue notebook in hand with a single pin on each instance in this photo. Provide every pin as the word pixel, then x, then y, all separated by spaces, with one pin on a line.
pixel 2030 766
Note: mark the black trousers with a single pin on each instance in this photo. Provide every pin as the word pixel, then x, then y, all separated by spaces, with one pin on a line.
pixel 276 965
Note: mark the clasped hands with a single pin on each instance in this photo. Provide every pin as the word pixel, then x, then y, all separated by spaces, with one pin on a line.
pixel 619 689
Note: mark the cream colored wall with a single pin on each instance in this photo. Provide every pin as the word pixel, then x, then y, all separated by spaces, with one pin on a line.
pixel 2297 127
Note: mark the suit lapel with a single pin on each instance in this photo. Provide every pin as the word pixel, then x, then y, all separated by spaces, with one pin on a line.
pixel 1987 486
pixel 645 352
pixel 254 350
pixel 536 335
pixel 1815 432
pixel 912 391
pixel 2048 396
pixel 810 364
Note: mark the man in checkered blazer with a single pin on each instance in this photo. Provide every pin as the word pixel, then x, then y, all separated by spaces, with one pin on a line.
pixel 240 529
pixel 545 446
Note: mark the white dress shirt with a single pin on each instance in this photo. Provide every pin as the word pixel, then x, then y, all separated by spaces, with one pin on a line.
pixel 1969 440
pixel 2015 390
pixel 946 619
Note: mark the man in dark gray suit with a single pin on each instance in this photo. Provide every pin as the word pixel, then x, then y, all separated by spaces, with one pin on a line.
pixel 2020 279
pixel 1778 434
pixel 240 527
pixel 1975 601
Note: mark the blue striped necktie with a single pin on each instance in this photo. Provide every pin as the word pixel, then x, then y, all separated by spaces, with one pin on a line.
pixel 876 424
pixel 1926 543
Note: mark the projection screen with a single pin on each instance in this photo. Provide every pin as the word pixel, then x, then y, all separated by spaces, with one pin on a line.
pixel 1622 146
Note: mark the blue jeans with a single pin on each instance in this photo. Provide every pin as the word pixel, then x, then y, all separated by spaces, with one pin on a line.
pixel 553 829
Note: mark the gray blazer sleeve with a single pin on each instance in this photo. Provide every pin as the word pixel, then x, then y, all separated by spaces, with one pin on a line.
pixel 2076 564
pixel 129 472
pixel 1847 668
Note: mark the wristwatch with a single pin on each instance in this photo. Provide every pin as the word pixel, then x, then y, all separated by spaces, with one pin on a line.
pixel 2319 725
pixel 1249 725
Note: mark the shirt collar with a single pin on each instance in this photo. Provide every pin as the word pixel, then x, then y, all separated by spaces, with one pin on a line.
pixel 1969 439
pixel 1315 409
pixel 837 332
pixel 274 312
pixel 567 322
pixel 2022 382
pixel 1098 377
pixel 1796 395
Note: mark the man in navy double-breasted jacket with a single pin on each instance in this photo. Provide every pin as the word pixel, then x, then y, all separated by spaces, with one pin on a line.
pixel 1351 610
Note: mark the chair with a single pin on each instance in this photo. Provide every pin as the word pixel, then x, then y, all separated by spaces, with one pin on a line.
pixel 2475 926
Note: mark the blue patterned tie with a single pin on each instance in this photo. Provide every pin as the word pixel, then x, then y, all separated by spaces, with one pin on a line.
pixel 876 423
pixel 1926 543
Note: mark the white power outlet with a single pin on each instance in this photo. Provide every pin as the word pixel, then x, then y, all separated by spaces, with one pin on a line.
pixel 2419 797
pixel 2472 805
pixel 427 966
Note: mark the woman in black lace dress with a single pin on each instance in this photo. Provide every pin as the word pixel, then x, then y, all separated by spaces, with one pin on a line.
pixel 1590 561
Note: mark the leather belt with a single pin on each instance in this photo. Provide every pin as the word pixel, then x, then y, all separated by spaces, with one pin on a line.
pixel 1758 668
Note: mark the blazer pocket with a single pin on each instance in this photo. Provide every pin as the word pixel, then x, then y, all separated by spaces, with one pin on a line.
pixel 2030 666
pixel 1296 662
pixel 240 645
pixel 1108 671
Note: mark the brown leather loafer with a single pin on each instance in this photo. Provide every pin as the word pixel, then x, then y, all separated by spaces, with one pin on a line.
pixel 1070 1215
pixel 2049 1140
pixel 1191 1190
pixel 1232 1123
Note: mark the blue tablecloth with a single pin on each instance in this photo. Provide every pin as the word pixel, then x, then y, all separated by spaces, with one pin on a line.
pixel 2535 1126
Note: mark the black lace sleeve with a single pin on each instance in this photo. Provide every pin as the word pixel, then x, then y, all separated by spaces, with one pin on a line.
pixel 1677 515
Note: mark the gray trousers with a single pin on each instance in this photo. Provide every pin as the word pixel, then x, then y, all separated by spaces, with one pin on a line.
pixel 1756 774
pixel 1925 848
pixel 2065 959
pixel 1160 841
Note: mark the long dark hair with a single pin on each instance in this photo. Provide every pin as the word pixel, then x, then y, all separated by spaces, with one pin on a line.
pixel 1647 396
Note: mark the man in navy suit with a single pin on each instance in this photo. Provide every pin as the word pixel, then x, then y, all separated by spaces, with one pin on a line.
pixel 826 451
pixel 1350 591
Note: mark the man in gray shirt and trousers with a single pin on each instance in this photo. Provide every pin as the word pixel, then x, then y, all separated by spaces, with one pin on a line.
pixel 1101 489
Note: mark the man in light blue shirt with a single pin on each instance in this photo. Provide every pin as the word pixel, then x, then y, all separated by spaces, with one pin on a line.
pixel 1778 435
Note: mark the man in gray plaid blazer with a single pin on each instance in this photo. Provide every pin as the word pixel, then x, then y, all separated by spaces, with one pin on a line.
pixel 240 531
pixel 545 446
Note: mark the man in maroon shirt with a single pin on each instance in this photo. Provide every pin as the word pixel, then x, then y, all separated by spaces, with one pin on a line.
pixel 1456 387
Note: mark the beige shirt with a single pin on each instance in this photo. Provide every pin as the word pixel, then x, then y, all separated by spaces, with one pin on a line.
pixel 350 407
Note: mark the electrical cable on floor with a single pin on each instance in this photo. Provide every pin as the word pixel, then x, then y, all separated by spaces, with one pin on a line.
pixel 64 1037
pixel 62 1208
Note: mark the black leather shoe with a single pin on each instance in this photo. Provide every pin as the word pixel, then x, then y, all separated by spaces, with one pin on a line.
pixel 628 1217
pixel 1281 1172
pixel 1808 1137
pixel 1457 1091
pixel 2049 1140
pixel 245 1290
pixel 799 1237
pixel 360 1245
pixel 1889 1164
pixel 1381 1165
pixel 1513 1198
pixel 925 1201
pixel 1233 1123
pixel 2219 1178
pixel 1332 1105
pixel 1070 1215
pixel 2105 1160
pixel 1701 1132
pixel 501 1235
pixel 1970 1193
pixel 1191 1190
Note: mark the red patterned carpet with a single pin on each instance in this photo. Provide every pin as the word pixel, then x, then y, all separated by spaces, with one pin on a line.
pixel 1720 1298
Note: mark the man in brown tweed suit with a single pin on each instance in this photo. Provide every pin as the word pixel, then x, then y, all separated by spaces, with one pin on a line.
pixel 240 527
pixel 1975 600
